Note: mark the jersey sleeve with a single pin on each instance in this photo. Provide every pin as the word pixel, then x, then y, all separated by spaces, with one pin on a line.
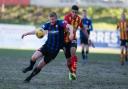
pixel 90 25
pixel 63 24
pixel 81 24
pixel 45 26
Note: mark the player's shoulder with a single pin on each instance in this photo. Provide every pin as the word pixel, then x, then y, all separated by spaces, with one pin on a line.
pixel 88 19
pixel 45 25
pixel 60 21
pixel 68 15
pixel 48 22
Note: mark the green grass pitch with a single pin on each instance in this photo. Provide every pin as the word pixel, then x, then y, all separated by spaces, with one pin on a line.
pixel 102 71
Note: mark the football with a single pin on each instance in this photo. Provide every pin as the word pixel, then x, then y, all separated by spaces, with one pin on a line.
pixel 40 33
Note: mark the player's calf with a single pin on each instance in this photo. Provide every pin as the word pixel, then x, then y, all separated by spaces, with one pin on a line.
pixel 122 58
pixel 90 43
pixel 30 67
pixel 83 54
pixel 34 73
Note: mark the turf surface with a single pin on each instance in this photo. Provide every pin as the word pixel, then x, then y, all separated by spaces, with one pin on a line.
pixel 102 71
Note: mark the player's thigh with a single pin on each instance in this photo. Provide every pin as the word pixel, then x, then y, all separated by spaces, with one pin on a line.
pixel 66 50
pixel 50 56
pixel 37 54
pixel 122 43
pixel 84 45
pixel 84 40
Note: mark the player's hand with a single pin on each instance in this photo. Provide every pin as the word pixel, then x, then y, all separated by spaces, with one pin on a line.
pixel 71 36
pixel 91 43
pixel 23 36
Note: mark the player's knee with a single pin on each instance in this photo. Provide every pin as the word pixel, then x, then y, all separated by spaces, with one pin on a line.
pixel 82 51
pixel 34 58
pixel 73 53
pixel 87 52
pixel 67 55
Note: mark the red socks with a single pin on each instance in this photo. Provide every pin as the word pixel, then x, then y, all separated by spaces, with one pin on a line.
pixel 72 64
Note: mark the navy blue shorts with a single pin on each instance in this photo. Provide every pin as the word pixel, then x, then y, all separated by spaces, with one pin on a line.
pixel 83 38
pixel 67 48
pixel 48 55
pixel 124 43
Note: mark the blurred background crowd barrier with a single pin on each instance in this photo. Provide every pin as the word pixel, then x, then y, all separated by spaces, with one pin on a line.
pixel 16 16
pixel 65 3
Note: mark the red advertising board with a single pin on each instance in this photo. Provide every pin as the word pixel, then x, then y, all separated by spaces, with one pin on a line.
pixel 15 2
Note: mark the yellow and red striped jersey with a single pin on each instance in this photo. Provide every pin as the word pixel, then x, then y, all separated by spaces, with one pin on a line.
pixel 75 22
pixel 123 27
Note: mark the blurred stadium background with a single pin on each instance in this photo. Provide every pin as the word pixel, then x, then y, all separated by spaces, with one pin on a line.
pixel 102 71
pixel 18 16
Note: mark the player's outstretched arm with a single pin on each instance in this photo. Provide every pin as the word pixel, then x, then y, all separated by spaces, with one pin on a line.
pixel 28 33
pixel 70 31
pixel 85 32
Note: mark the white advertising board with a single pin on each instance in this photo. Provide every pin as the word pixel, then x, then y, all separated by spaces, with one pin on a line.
pixel 10 37
pixel 83 3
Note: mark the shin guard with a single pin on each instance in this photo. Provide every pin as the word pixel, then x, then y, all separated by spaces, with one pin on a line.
pixel 73 62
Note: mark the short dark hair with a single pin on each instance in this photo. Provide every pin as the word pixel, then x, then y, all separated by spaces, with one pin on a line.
pixel 53 14
pixel 75 7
